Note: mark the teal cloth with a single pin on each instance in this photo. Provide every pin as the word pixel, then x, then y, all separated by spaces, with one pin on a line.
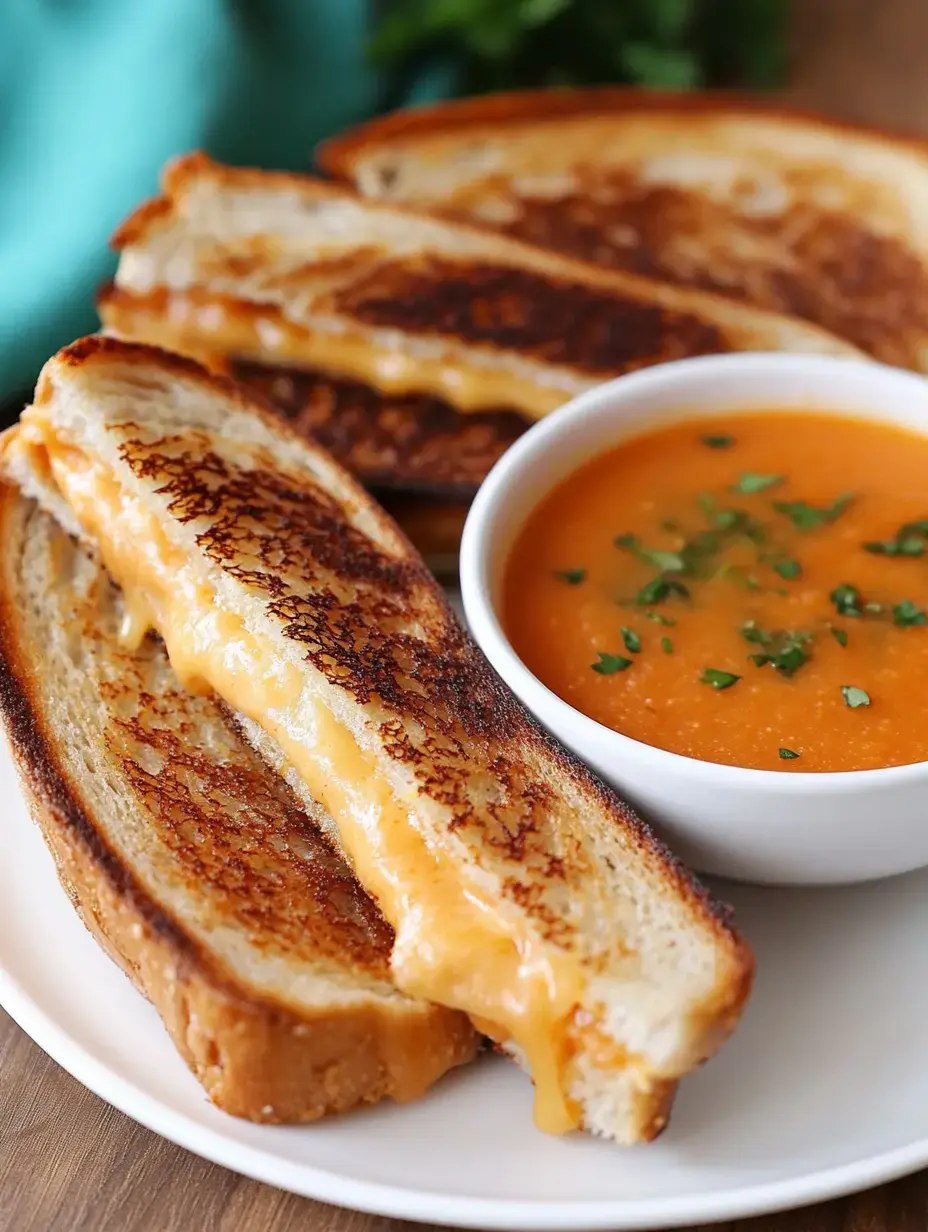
pixel 95 95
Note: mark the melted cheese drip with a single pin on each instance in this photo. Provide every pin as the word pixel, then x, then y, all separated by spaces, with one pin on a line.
pixel 467 387
pixel 452 946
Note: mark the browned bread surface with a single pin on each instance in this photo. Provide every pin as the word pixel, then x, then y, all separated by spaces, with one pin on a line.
pixel 290 270
pixel 407 444
pixel 791 212
pixel 274 526
pixel 266 960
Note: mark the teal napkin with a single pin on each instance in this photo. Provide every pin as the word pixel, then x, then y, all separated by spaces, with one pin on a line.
pixel 95 95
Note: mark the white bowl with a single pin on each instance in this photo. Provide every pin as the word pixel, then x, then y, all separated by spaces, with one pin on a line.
pixel 752 825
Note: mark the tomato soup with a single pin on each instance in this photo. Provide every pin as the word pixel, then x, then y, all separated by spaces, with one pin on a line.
pixel 749 590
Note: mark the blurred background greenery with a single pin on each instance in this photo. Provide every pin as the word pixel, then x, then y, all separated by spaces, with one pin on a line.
pixel 95 96
pixel 669 44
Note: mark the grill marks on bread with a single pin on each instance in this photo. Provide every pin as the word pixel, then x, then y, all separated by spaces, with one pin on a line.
pixel 374 626
pixel 409 442
pixel 823 265
pixel 238 837
pixel 546 317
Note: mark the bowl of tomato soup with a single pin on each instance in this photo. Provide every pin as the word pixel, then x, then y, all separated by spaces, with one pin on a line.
pixel 709 580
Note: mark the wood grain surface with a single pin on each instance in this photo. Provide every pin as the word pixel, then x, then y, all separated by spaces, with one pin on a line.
pixel 70 1163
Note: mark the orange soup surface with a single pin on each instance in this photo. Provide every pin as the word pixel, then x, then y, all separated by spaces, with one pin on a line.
pixel 750 590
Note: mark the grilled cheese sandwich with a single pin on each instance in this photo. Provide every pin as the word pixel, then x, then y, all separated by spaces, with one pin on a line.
pixel 788 212
pixel 521 890
pixel 192 862
pixel 290 270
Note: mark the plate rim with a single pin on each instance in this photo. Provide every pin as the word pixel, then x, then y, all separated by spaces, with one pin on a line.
pixel 450 1210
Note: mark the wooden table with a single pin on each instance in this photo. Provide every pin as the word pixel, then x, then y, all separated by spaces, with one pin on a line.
pixel 70 1163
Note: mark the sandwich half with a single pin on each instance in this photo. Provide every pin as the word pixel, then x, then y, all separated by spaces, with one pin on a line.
pixel 793 213
pixel 522 891
pixel 290 270
pixel 192 863
pixel 423 460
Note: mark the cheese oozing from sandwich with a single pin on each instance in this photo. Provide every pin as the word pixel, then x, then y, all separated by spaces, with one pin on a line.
pixel 454 945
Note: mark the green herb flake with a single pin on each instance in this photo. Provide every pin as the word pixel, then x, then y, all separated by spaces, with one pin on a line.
pixel 911 539
pixel 666 645
pixel 854 697
pixel 573 577
pixel 718 679
pixel 909 545
pixel 609 664
pixel 750 482
pixel 906 615
pixel 718 442
pixel 751 632
pixel 788 569
pixel 787 754
pixel 667 562
pixel 786 651
pixel 847 600
pixel 806 517
pixel 631 639
pixel 658 589
pixel 706 502
pixel 840 635
pixel 667 621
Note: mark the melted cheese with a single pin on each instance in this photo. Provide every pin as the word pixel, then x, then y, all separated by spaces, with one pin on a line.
pixel 468 387
pixel 453 946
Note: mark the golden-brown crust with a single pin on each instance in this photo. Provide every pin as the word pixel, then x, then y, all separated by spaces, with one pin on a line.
pixel 295 540
pixel 338 155
pixel 256 1057
pixel 546 317
pixel 820 257
pixel 409 443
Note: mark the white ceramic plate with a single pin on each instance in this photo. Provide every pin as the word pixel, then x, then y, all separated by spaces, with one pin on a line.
pixel 823 1090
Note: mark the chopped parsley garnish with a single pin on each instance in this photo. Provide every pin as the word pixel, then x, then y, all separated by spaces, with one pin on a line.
pixel 659 589
pixel 788 569
pixel 668 562
pixel 806 517
pixel 840 635
pixel 786 652
pixel 609 664
pixel 854 697
pixel 751 632
pixel 907 545
pixel 739 522
pixel 573 577
pixel 787 754
pixel 847 600
pixel 906 615
pixel 667 621
pixel 718 442
pixel 631 639
pixel 718 679
pixel 911 539
pixel 666 645
pixel 750 482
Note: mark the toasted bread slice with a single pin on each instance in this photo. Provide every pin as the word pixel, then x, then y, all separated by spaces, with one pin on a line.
pixel 521 889
pixel 410 444
pixel 192 863
pixel 422 459
pixel 291 270
pixel 793 213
